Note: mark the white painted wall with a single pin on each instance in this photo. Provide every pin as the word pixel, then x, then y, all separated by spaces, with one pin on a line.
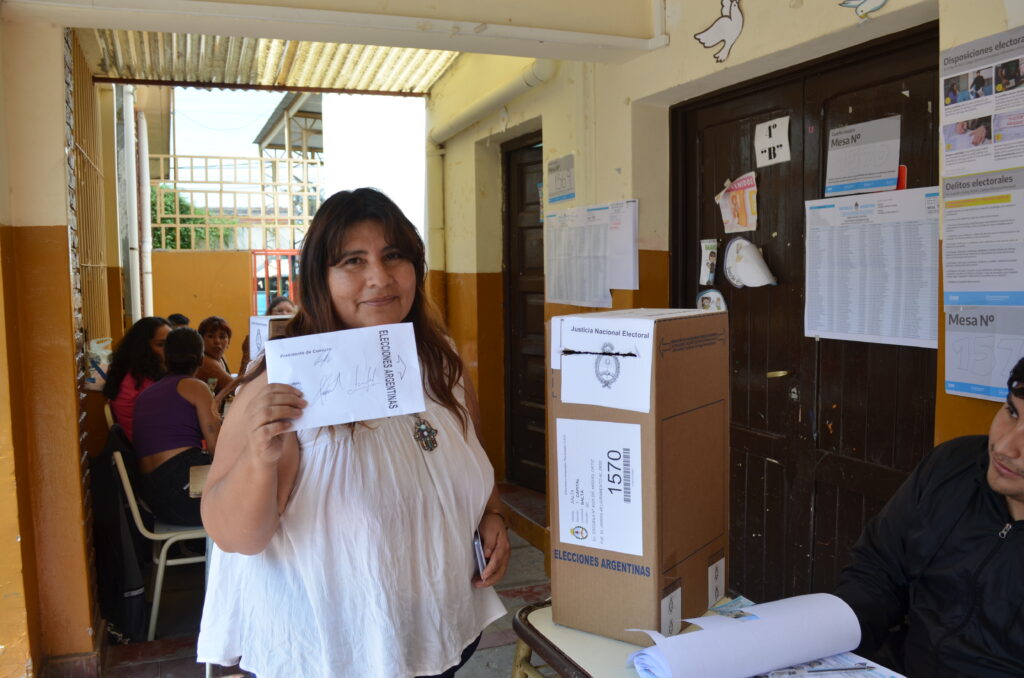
pixel 614 117
pixel 33 102
pixel 377 141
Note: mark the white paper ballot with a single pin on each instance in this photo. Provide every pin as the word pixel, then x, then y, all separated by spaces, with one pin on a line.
pixel 772 636
pixel 600 493
pixel 605 361
pixel 351 375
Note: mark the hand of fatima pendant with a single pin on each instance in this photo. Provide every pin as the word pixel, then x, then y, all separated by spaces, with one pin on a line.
pixel 425 434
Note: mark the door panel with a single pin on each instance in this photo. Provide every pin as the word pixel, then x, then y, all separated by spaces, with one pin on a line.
pixel 823 431
pixel 524 314
pixel 765 324
pixel 759 317
pixel 859 419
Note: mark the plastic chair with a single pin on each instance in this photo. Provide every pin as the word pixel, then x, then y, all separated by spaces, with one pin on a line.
pixel 162 535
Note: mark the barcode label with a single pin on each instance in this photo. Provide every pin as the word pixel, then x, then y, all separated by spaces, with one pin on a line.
pixel 627 476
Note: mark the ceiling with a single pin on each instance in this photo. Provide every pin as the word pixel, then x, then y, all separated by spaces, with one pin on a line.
pixel 198 60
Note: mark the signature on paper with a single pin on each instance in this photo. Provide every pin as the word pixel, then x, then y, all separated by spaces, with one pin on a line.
pixel 323 358
pixel 365 377
pixel 329 383
pixel 361 378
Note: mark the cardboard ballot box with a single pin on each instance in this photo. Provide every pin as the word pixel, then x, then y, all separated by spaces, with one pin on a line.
pixel 263 328
pixel 638 461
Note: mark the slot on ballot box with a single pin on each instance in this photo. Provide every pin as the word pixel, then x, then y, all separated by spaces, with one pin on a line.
pixel 638 462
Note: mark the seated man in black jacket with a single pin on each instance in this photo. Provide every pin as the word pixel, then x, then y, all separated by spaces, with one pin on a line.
pixel 946 556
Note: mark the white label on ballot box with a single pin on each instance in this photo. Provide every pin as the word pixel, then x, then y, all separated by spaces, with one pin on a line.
pixel 605 361
pixel 600 499
pixel 672 612
pixel 716 581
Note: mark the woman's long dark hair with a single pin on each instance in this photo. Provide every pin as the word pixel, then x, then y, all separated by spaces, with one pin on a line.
pixel 442 367
pixel 134 357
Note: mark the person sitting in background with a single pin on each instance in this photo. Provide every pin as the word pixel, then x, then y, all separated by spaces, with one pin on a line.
pixel 137 363
pixel 173 418
pixel 278 306
pixel 216 335
pixel 178 320
pixel 943 558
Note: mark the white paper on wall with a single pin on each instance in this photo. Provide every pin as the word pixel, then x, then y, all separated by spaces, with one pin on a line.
pixel 771 142
pixel 623 243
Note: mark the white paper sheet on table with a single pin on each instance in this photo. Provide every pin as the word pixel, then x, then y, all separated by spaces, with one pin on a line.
pixel 351 375
pixel 768 637
pixel 604 361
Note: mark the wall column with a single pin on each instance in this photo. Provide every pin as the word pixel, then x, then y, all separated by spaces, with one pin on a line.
pixel 41 348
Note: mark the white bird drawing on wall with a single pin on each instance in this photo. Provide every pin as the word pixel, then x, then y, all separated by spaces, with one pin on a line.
pixel 863 8
pixel 726 28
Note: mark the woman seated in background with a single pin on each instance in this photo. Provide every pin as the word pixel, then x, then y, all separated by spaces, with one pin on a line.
pixel 137 364
pixel 216 334
pixel 172 420
pixel 278 306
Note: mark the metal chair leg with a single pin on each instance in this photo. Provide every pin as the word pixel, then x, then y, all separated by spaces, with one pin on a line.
pixel 158 588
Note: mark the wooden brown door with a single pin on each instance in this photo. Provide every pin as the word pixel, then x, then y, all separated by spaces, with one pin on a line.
pixel 822 432
pixel 524 313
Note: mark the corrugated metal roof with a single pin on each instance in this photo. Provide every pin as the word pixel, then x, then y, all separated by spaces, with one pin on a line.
pixel 197 59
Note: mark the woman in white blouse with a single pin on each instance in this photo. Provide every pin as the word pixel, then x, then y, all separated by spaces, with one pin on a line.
pixel 347 551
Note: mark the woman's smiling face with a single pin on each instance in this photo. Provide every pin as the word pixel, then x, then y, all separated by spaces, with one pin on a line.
pixel 371 283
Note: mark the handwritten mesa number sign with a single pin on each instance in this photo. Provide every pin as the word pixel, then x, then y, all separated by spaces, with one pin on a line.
pixel 350 375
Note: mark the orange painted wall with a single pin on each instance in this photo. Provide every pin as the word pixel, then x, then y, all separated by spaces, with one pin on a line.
pixel 956 415
pixel 436 287
pixel 201 284
pixel 50 450
pixel 476 321
pixel 19 619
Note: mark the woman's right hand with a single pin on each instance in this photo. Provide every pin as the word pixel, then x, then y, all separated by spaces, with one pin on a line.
pixel 270 413
pixel 255 467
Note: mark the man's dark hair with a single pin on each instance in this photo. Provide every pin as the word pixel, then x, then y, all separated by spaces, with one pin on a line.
pixel 183 352
pixel 1016 381
pixel 178 320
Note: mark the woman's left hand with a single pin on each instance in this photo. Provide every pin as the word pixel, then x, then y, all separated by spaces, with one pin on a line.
pixel 497 550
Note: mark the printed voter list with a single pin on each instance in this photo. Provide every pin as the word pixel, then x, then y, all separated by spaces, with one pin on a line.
pixel 350 375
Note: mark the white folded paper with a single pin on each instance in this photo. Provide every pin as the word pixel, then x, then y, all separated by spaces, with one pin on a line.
pixel 351 375
pixel 744 265
pixel 761 638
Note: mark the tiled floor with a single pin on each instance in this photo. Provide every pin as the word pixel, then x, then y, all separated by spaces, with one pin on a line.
pixel 173 654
